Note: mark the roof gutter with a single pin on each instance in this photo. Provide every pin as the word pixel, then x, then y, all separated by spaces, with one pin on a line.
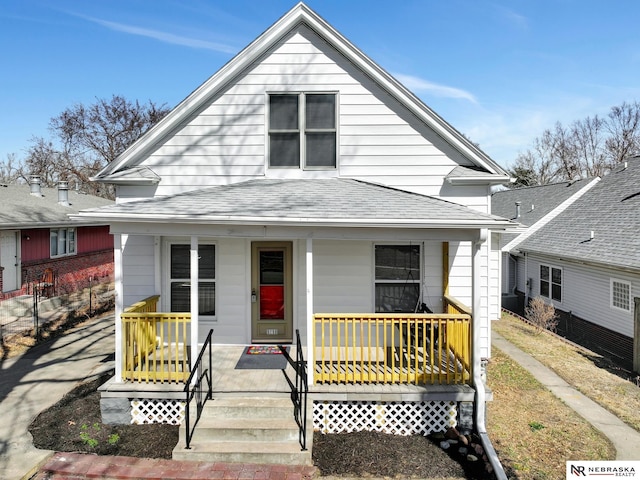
pixel 480 180
pixel 297 221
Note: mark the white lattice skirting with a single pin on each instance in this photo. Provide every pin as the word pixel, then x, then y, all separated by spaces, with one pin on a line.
pixel 145 410
pixel 397 418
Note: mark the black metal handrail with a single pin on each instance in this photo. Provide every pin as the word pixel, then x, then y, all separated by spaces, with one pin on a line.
pixel 299 389
pixel 196 391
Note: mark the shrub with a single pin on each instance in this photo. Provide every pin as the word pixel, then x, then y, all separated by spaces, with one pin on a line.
pixel 542 315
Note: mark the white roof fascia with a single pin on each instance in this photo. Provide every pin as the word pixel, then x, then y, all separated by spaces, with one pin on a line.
pixel 302 221
pixel 480 180
pixel 513 244
pixel 301 14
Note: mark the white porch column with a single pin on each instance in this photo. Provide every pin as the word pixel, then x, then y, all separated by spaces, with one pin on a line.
pixel 118 241
pixel 195 308
pixel 310 326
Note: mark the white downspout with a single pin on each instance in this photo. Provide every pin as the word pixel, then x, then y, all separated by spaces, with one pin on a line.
pixel 195 308
pixel 310 326
pixel 478 382
pixel 118 242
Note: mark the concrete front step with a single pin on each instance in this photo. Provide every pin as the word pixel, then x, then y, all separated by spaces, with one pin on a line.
pixel 250 407
pixel 281 453
pixel 247 430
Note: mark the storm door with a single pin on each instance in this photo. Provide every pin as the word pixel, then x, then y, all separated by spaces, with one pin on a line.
pixel 271 292
pixel 9 260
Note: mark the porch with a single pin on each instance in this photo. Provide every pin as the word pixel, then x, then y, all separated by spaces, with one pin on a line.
pixel 363 349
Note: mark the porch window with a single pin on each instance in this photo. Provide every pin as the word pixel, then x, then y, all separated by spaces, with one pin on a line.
pixel 302 130
pixel 620 294
pixel 397 278
pixel 180 271
pixel 62 242
pixel 551 282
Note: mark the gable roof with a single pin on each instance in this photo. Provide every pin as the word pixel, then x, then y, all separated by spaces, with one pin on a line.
pixel 539 203
pixel 298 202
pixel 611 210
pixel 298 15
pixel 21 209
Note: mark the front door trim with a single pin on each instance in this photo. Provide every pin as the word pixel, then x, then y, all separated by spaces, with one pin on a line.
pixel 271 330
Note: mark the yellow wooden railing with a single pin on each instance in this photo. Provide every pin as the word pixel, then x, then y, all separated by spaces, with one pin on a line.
pixel 392 348
pixel 155 344
pixel 453 305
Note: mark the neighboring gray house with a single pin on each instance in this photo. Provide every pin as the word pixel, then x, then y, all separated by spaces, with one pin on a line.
pixel 532 207
pixel 586 261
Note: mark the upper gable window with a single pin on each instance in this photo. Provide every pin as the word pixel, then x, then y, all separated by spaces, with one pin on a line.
pixel 302 130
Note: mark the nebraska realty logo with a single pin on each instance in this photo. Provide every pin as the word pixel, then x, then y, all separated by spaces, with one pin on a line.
pixel 576 469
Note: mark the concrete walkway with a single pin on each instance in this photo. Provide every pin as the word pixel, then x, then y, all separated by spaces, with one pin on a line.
pixel 625 439
pixel 36 380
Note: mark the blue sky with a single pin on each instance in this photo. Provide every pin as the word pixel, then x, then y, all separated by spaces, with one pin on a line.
pixel 499 71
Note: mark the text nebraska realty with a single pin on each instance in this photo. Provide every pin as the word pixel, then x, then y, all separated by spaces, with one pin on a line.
pixel 620 471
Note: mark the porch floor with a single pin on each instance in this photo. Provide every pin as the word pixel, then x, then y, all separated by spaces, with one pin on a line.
pixel 231 382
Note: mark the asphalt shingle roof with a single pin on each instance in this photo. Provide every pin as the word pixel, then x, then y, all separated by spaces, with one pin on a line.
pixel 611 210
pixel 536 202
pixel 313 200
pixel 20 209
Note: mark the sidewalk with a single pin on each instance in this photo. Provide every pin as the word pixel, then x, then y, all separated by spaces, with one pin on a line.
pixel 36 380
pixel 625 439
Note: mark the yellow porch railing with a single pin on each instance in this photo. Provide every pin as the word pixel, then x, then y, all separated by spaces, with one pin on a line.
pixel 155 343
pixel 453 305
pixel 392 348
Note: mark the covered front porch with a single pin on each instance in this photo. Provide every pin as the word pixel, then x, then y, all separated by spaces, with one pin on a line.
pixel 364 349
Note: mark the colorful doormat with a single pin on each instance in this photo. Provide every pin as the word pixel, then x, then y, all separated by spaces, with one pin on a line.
pixel 256 357
pixel 263 350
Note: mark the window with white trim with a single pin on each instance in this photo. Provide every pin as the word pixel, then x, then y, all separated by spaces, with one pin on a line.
pixel 551 282
pixel 397 278
pixel 621 294
pixel 180 278
pixel 62 242
pixel 302 130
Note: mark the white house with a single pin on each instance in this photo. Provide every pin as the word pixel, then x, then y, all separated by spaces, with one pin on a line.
pixel 532 208
pixel 303 188
pixel 586 261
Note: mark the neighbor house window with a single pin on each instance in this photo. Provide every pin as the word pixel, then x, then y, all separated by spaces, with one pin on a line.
pixel 620 294
pixel 551 282
pixel 180 272
pixel 302 130
pixel 62 241
pixel 397 278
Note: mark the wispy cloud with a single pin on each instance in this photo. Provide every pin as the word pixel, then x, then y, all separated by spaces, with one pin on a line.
pixel 418 85
pixel 512 17
pixel 163 36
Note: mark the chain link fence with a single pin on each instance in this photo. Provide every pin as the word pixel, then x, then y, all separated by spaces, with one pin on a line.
pixel 31 315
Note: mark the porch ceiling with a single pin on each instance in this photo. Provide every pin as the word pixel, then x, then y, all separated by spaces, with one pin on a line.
pixel 329 202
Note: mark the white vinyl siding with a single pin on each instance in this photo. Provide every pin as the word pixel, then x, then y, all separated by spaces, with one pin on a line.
pixel 379 141
pixel 138 276
pixel 587 292
pixel 342 276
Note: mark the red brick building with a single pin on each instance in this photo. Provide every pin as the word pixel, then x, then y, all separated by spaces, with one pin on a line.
pixel 37 238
